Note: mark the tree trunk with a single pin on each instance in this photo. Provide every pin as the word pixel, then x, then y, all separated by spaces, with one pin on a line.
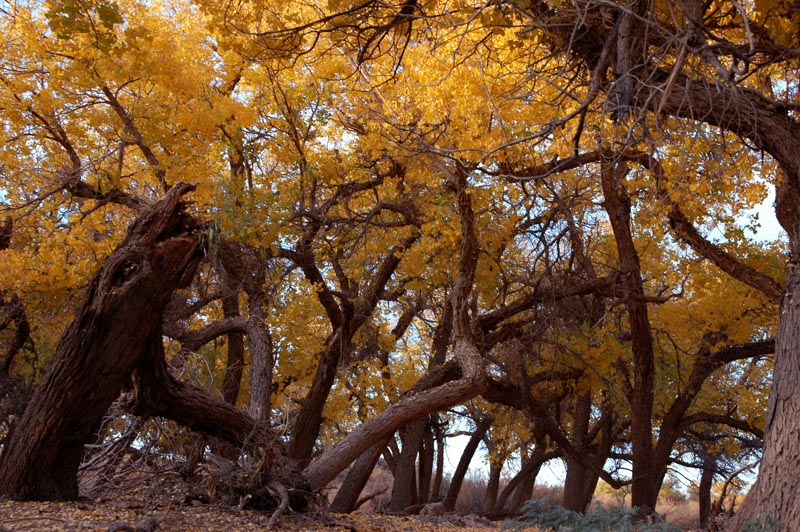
pixel 157 393
pixel 580 478
pixel 234 366
pixel 410 407
pixel 403 488
pixel 588 456
pixel 523 492
pixel 640 390
pixel 579 485
pixel 99 350
pixel 261 363
pixel 463 463
pixel 235 363
pixel 530 468
pixel 436 489
pixel 524 489
pixel 775 494
pixel 425 473
pixel 346 498
pixel 704 493
pixel 492 487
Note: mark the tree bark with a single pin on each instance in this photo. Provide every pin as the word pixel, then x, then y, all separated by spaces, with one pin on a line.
pixel 523 492
pixel 234 366
pixel 579 485
pixel 404 488
pixel 346 498
pixel 579 479
pixel 99 350
pixel 492 487
pixel 261 362
pixel 775 494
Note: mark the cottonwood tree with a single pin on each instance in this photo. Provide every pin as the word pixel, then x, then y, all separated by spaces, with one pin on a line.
pixel 310 165
pixel 644 61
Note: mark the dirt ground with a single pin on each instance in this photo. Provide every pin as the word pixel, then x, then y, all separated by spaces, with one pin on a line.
pixel 129 516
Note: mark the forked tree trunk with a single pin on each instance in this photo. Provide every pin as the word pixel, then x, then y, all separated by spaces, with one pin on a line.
pixel 463 463
pixel 99 350
pixel 403 487
pixel 579 485
pixel 346 498
pixel 580 480
pixel 522 483
pixel 523 492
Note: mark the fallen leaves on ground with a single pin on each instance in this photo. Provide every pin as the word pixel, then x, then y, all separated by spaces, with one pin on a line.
pixel 129 516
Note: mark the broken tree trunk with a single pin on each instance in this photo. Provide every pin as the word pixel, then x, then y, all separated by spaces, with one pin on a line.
pixel 99 350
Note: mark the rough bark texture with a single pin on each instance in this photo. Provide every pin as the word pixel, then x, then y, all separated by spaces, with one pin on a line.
pixel 261 363
pixel 425 471
pixel 750 115
pixel 235 364
pixel 438 476
pixel 775 494
pixel 99 350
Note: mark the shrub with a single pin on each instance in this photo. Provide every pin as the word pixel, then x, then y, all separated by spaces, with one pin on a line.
pixel 765 524
pixel 616 519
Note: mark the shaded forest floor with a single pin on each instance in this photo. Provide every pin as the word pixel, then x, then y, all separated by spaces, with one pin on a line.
pixel 128 516
pixel 163 502
pixel 126 513
pixel 164 506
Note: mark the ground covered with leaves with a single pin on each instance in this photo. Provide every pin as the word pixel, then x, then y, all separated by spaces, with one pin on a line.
pixel 118 516
pixel 168 505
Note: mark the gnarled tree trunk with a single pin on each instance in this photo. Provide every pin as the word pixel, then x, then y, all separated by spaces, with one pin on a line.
pixel 99 350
